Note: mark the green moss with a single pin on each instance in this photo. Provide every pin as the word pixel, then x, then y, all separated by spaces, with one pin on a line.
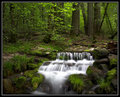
pixel 104 86
pixel 113 62
pixel 111 74
pixel 89 71
pixel 36 81
pixel 100 53
pixel 20 82
pixel 7 68
pixel 32 66
pixel 77 83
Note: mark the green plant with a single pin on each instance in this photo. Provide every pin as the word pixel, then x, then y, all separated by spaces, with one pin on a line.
pixel 77 82
pixel 7 68
pixel 105 86
pixel 36 81
pixel 111 74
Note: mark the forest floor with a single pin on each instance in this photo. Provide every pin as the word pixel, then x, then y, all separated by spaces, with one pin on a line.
pixel 77 44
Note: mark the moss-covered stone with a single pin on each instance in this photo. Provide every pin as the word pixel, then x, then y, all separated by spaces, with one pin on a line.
pixel 77 83
pixel 20 82
pixel 113 62
pixel 7 86
pixel 105 87
pixel 94 74
pixel 111 74
pixel 80 82
pixel 99 53
pixel 36 81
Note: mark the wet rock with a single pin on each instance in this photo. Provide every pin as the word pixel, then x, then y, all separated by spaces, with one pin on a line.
pixel 80 83
pixel 101 61
pixel 100 53
pixel 113 61
pixel 112 47
pixel 94 74
pixel 46 63
pixel 7 86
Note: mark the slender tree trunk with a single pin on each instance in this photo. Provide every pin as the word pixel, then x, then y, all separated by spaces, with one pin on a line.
pixel 96 17
pixel 84 17
pixel 75 20
pixel 90 20
pixel 103 17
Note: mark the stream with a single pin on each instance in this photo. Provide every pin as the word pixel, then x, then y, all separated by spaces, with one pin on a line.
pixel 56 72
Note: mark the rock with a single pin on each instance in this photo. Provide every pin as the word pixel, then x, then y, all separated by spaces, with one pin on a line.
pixel 94 74
pixel 46 63
pixel 112 46
pixel 80 82
pixel 102 64
pixel 100 53
pixel 7 86
pixel 113 61
pixel 36 81
pixel 101 61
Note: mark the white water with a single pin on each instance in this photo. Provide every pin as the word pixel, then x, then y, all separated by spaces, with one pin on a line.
pixel 66 63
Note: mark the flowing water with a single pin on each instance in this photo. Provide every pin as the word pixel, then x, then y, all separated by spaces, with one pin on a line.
pixel 57 72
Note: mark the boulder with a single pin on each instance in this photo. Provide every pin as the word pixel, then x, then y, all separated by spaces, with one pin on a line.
pixel 113 61
pixel 80 82
pixel 46 63
pixel 100 53
pixel 7 86
pixel 95 74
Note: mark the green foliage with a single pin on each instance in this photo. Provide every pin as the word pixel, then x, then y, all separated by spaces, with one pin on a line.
pixel 32 66
pixel 16 64
pixel 36 81
pixel 113 62
pixel 105 86
pixel 20 82
pixel 111 74
pixel 17 47
pixel 20 62
pixel 30 73
pixel 7 68
pixel 77 82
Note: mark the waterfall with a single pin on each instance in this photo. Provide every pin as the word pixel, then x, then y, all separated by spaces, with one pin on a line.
pixel 66 63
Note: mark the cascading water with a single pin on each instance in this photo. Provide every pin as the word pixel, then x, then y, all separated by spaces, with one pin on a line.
pixel 57 72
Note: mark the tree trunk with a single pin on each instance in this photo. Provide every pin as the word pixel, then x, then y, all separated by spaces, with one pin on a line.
pixel 90 20
pixel 84 17
pixel 96 17
pixel 75 20
pixel 103 17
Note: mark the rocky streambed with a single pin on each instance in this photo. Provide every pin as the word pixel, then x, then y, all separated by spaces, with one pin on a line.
pixel 100 78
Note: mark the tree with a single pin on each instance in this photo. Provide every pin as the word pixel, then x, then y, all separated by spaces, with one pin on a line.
pixel 84 17
pixel 90 20
pixel 97 16
pixel 75 19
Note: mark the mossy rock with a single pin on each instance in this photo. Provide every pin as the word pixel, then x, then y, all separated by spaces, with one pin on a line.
pixel 79 82
pixel 94 74
pixel 105 87
pixel 113 62
pixel 7 86
pixel 111 74
pixel 36 81
pixel 30 73
pixel 21 81
pixel 100 53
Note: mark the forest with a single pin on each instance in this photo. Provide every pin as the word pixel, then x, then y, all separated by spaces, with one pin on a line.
pixel 36 33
